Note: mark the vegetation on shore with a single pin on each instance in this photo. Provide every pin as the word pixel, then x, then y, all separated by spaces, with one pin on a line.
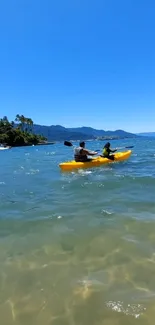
pixel 18 132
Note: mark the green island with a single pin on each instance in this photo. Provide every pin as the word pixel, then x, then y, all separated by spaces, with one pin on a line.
pixel 19 132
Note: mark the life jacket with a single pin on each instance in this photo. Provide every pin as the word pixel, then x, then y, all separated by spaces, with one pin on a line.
pixel 105 152
pixel 78 156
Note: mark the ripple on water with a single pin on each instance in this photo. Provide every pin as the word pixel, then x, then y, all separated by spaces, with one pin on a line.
pixel 77 248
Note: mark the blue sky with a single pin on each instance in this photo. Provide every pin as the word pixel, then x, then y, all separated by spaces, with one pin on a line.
pixel 79 62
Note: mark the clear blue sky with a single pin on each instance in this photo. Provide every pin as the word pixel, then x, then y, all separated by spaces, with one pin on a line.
pixel 79 62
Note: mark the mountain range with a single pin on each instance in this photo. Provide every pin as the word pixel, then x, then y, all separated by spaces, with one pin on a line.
pixel 147 134
pixel 60 133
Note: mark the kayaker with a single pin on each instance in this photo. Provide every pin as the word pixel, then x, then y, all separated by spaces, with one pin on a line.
pixel 81 154
pixel 107 151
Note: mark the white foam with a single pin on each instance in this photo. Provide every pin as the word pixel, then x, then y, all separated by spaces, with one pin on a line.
pixel 135 310
pixel 107 212
pixel 84 172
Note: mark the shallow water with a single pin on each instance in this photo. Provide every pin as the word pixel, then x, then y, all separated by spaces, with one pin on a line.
pixel 77 248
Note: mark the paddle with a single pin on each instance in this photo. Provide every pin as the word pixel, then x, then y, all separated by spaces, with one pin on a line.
pixel 119 148
pixel 68 144
pixel 128 147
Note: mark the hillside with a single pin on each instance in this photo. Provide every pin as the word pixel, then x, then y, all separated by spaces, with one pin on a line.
pixel 101 133
pixel 60 133
pixel 18 132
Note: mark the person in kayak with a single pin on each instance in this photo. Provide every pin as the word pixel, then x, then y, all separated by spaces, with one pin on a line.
pixel 81 154
pixel 107 152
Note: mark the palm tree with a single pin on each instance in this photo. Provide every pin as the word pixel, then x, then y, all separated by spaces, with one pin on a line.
pixel 5 119
pixel 5 125
pixel 17 119
pixel 24 123
pixel 21 120
pixel 30 123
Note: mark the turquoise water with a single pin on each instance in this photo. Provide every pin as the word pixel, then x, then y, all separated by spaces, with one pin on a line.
pixel 77 248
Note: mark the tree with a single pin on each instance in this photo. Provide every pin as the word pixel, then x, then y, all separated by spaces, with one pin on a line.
pixel 23 122
pixel 4 125
pixel 4 138
pixel 18 136
pixel 20 119
pixel 29 124
pixel 5 119
pixel 17 119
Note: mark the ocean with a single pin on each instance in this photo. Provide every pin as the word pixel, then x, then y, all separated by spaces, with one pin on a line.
pixel 77 248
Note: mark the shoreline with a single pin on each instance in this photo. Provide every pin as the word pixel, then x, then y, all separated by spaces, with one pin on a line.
pixel 32 145
pixel 47 143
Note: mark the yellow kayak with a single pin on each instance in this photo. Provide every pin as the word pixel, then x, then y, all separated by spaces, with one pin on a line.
pixel 96 162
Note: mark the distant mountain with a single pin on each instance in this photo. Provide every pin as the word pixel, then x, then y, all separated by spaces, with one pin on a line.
pixel 60 133
pixel 101 133
pixel 147 134
pixel 88 130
